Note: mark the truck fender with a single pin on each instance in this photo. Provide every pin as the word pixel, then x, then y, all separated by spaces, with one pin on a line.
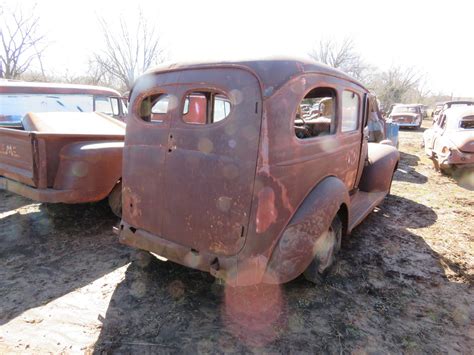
pixel 378 171
pixel 91 167
pixel 294 250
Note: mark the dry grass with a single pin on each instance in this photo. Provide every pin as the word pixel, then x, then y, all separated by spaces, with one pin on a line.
pixel 403 283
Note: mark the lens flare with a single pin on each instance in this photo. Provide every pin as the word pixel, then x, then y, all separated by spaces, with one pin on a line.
pixel 254 314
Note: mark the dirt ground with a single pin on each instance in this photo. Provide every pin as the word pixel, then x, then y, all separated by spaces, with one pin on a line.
pixel 403 283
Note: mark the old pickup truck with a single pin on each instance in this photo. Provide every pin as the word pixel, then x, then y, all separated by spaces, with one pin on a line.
pixel 67 157
pixel 224 172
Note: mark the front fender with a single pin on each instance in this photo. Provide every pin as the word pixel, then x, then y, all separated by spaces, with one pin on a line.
pixel 378 172
pixel 294 251
pixel 90 167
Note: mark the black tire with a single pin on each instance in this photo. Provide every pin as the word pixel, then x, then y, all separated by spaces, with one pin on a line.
pixel 324 258
pixel 115 199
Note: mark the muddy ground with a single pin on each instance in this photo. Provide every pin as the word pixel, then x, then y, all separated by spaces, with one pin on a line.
pixel 403 283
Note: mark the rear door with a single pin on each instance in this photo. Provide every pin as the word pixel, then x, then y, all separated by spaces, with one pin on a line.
pixel 351 134
pixel 146 146
pixel 211 162
pixel 435 132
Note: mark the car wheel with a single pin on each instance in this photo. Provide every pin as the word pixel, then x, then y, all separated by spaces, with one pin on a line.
pixel 115 199
pixel 326 248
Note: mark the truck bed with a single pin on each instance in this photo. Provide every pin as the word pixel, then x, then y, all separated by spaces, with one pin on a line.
pixel 32 158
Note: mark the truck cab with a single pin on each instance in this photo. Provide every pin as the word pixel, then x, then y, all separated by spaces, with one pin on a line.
pixel 61 143
pixel 249 187
pixel 17 98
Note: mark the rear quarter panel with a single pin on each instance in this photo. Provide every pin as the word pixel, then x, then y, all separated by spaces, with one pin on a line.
pixel 17 156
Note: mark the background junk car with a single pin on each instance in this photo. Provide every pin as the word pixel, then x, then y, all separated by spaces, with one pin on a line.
pixel 406 115
pixel 252 191
pixel 17 98
pixel 450 142
pixel 448 105
pixel 68 157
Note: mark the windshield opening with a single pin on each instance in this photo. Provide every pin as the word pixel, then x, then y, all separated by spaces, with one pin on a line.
pixel 404 109
pixel 13 107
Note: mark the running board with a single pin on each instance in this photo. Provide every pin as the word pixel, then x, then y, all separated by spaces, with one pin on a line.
pixel 363 203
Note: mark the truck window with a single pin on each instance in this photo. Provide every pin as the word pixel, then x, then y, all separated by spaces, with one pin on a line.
pixel 103 105
pixel 350 111
pixel 205 108
pixel 316 114
pixel 13 107
pixel 115 106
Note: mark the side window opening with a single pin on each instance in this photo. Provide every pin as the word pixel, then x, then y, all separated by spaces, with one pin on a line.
pixel 205 108
pixel 154 108
pixel 316 114
pixel 467 122
pixel 115 106
pixel 442 122
pixel 103 105
pixel 350 111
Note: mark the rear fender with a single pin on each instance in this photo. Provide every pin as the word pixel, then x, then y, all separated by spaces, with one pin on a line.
pixel 378 172
pixel 294 251
pixel 91 167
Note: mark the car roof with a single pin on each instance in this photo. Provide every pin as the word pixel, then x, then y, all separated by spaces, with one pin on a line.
pixel 460 111
pixel 26 87
pixel 408 105
pixel 459 102
pixel 272 73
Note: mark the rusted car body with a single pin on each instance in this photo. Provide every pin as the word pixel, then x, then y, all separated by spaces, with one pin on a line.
pixel 17 98
pixel 450 142
pixel 67 157
pixel 406 115
pixel 253 195
pixel 449 104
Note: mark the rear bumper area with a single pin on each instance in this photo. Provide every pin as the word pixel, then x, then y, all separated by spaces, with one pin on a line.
pixel 456 158
pixel 401 124
pixel 46 195
pixel 218 266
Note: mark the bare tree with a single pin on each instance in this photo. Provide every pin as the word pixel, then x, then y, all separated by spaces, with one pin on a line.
pixel 96 75
pixel 21 42
pixel 129 53
pixel 396 85
pixel 342 56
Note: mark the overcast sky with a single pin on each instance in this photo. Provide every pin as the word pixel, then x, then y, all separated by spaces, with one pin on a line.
pixel 433 36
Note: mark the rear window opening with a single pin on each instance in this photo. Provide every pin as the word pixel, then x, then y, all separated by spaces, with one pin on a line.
pixel 205 108
pixel 154 108
pixel 467 122
pixel 316 114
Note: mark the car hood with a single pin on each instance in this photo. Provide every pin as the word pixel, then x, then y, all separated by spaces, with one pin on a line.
pixel 462 139
pixel 73 123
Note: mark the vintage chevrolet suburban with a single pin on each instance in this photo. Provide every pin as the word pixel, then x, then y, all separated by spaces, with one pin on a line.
pixel 73 155
pixel 225 172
